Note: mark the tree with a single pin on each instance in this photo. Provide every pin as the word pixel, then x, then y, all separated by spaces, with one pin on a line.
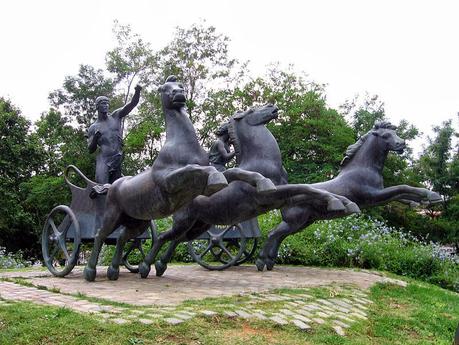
pixel 20 158
pixel 198 56
pixel 77 96
pixel 437 163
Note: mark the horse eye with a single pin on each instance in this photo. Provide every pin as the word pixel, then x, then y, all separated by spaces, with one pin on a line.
pixel 386 135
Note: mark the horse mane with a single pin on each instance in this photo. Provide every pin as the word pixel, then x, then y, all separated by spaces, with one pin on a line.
pixel 233 133
pixel 354 148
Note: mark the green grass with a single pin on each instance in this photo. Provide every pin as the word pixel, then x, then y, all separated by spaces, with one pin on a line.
pixel 418 314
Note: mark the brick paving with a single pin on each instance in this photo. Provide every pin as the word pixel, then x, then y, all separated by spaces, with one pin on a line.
pixel 182 283
pixel 158 299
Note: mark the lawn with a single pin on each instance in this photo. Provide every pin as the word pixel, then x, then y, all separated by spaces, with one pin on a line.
pixel 417 314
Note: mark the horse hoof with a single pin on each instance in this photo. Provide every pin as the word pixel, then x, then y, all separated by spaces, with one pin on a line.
pixel 269 264
pixel 352 207
pixel 265 186
pixel 335 205
pixel 260 265
pixel 160 268
pixel 215 182
pixel 144 270
pixel 89 274
pixel 113 273
pixel 434 197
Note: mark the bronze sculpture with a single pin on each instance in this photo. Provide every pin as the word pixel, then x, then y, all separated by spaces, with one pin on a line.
pixel 360 180
pixel 105 133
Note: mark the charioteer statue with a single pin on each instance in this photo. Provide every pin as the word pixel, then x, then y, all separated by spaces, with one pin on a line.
pixel 220 153
pixel 106 133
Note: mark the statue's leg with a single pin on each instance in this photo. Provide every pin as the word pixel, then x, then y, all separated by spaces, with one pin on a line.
pixel 304 194
pixel 161 264
pixel 206 178
pixel 183 221
pixel 110 223
pixel 102 173
pixel 263 184
pixel 293 220
pixel 126 234
pixel 404 192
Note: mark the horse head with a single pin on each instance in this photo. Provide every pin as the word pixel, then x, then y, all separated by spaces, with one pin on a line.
pixel 258 115
pixel 172 94
pixel 378 142
pixel 249 135
pixel 385 132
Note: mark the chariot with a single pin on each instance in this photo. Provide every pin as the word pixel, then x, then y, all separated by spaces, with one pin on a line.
pixel 68 227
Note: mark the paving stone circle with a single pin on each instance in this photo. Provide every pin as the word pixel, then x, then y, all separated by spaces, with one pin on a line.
pixel 255 299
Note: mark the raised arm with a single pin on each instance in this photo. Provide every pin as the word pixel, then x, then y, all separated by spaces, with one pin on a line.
pixel 131 105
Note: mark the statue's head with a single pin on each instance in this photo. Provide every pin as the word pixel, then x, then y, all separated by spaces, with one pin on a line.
pixel 172 94
pixel 222 130
pixel 258 115
pixel 385 132
pixel 102 104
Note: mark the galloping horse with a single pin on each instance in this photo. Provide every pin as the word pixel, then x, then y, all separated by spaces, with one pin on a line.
pixel 360 180
pixel 257 151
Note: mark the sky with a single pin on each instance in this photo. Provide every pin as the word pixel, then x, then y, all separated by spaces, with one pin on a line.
pixel 407 52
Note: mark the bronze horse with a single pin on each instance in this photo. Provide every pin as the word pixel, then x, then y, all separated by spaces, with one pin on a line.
pixel 360 180
pixel 180 173
pixel 257 151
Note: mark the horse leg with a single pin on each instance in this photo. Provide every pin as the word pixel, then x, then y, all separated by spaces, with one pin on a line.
pixel 195 175
pixel 263 184
pixel 404 193
pixel 293 220
pixel 183 220
pixel 161 263
pixel 197 229
pixel 110 223
pixel 305 194
pixel 127 233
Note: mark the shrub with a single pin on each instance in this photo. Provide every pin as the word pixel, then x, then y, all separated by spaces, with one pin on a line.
pixel 10 260
pixel 361 241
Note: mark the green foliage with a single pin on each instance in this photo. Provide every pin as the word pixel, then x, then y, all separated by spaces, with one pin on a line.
pixel 12 261
pixel 361 241
pixel 78 94
pixel 20 159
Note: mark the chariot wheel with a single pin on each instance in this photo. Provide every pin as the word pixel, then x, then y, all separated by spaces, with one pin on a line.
pixel 60 252
pixel 217 252
pixel 249 249
pixel 134 253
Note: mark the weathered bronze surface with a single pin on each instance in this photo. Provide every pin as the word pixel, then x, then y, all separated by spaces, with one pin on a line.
pixel 360 180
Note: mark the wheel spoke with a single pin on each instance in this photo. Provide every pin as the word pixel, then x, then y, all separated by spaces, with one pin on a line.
pixel 55 231
pixel 205 251
pixel 63 246
pixel 128 251
pixel 51 257
pixel 226 251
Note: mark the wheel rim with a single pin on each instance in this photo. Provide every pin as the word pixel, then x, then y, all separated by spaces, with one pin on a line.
pixel 134 252
pixel 213 253
pixel 60 253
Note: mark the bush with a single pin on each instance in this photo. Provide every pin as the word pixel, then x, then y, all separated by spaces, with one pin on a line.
pixel 10 260
pixel 361 241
